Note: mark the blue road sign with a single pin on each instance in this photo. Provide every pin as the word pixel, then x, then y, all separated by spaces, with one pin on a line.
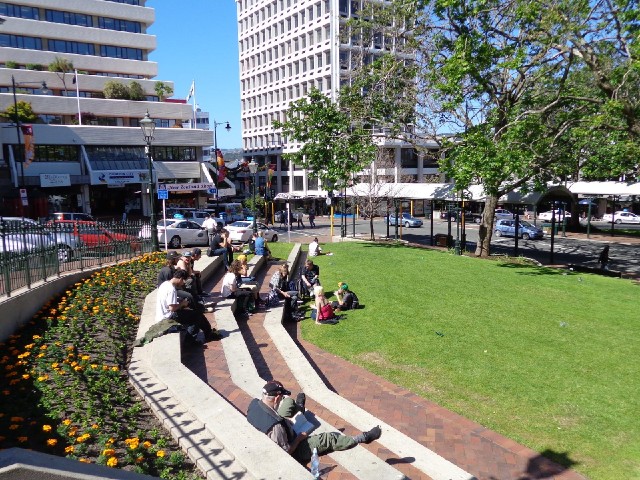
pixel 212 191
pixel 163 194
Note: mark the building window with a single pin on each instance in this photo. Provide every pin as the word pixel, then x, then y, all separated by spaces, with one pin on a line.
pixel 120 52
pixel 64 46
pixel 120 25
pixel 19 11
pixel 298 183
pixel 128 2
pixel 409 158
pixel 69 18
pixel 20 41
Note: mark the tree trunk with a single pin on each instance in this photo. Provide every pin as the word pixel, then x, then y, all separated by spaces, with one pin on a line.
pixel 486 227
pixel 372 234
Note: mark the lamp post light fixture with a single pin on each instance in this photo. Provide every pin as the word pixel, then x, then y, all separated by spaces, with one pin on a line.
pixel 253 168
pixel 148 126
pixel 44 90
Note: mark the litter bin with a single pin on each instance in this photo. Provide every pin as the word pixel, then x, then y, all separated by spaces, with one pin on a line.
pixel 546 228
pixel 443 240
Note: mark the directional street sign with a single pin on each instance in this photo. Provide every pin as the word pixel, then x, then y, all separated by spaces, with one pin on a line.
pixel 212 191
pixel 163 195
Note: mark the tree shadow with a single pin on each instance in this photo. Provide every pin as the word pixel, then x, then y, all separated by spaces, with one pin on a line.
pixel 547 464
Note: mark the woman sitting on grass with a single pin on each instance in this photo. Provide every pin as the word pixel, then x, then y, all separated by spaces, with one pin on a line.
pixel 324 310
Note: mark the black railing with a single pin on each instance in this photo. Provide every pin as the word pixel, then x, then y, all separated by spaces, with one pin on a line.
pixel 31 252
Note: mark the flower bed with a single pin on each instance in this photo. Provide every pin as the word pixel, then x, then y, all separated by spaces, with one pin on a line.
pixel 65 389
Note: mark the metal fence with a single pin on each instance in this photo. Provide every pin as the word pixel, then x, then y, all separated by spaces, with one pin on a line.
pixel 36 251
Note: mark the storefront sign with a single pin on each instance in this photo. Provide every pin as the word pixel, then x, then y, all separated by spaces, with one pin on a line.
pixel 182 187
pixel 119 177
pixel 55 180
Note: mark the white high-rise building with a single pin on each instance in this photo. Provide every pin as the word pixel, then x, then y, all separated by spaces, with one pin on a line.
pixel 87 145
pixel 288 47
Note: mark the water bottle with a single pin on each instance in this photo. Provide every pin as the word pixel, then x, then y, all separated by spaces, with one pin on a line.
pixel 315 464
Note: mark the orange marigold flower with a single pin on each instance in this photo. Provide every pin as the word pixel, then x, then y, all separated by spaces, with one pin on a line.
pixel 14 427
pixel 52 442
pixel 147 444
pixel 46 428
pixel 160 453
pixel 112 462
pixel 23 439
pixel 66 421
pixel 108 452
pixel 17 419
pixel 69 449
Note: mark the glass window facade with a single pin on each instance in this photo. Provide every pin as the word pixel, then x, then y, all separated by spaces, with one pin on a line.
pixel 19 11
pixel 174 154
pixel 120 25
pixel 120 52
pixel 20 41
pixel 69 18
pixel 64 46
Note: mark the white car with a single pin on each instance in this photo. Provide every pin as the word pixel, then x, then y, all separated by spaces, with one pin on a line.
pixel 241 231
pixel 178 233
pixel 502 214
pixel 621 217
pixel 560 214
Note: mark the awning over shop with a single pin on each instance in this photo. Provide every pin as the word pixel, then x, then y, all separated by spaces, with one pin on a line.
pixel 605 188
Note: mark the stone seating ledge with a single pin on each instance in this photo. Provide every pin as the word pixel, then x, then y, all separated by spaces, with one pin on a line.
pixel 213 433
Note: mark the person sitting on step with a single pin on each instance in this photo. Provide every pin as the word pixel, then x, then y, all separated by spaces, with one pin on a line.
pixel 266 415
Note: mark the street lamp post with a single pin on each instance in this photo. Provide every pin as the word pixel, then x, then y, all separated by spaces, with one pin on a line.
pixel 44 90
pixel 215 152
pixel 148 126
pixel 253 168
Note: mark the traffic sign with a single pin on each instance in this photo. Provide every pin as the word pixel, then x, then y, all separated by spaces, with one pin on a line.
pixel 185 187
pixel 163 194
pixel 212 191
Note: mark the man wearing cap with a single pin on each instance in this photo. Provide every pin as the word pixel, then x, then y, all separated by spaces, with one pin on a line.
pixel 269 416
pixel 347 300
pixel 169 305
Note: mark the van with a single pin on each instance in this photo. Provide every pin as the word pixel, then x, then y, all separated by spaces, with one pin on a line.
pixel 231 212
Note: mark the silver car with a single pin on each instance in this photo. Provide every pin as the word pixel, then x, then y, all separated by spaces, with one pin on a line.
pixel 178 233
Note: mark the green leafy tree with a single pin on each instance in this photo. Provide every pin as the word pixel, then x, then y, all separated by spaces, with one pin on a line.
pixel 135 91
pixel 163 90
pixel 332 146
pixel 115 90
pixel 24 110
pixel 61 66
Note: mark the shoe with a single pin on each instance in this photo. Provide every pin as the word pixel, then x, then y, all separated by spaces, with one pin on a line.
pixel 373 434
pixel 214 335
pixel 301 400
pixel 209 309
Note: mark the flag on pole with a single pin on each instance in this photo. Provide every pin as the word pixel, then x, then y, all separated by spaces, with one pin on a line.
pixel 29 146
pixel 192 90
pixel 270 172
pixel 221 166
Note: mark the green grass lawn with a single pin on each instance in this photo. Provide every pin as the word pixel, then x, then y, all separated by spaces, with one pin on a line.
pixel 546 358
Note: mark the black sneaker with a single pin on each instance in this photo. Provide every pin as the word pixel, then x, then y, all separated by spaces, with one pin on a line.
pixel 190 341
pixel 301 400
pixel 373 434
pixel 214 335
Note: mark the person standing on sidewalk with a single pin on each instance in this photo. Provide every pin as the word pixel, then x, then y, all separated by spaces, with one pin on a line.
pixel 312 218
pixel 266 416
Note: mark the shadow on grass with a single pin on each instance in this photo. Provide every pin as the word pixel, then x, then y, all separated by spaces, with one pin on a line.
pixel 548 464
pixel 533 269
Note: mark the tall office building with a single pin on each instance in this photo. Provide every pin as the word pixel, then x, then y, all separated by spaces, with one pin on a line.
pixel 87 151
pixel 288 47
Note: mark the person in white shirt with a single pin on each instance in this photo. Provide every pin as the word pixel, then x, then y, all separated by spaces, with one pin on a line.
pixel 169 306
pixel 314 248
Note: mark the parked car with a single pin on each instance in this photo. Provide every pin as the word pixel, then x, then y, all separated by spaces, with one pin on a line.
pixel 91 234
pixel 37 234
pixel 178 233
pixel 526 230
pixel 405 219
pixel 241 231
pixel 71 216
pixel 560 214
pixel 501 214
pixel 197 216
pixel 621 217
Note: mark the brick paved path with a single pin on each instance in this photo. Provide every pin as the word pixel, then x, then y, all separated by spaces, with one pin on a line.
pixel 483 453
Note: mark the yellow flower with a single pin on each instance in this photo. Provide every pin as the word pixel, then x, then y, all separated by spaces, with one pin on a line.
pixel 95 426
pixel 111 441
pixel 147 444
pixel 66 421
pixel 108 452
pixel 114 369
pixel 160 453
pixel 23 439
pixel 140 459
pixel 14 427
pixel 46 428
pixel 52 442
pixel 84 460
pixel 112 462
pixel 69 449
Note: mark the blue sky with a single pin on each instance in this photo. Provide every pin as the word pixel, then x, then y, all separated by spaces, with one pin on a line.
pixel 198 40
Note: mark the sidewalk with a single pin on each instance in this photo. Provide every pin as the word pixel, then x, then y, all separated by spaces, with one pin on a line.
pixel 481 452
